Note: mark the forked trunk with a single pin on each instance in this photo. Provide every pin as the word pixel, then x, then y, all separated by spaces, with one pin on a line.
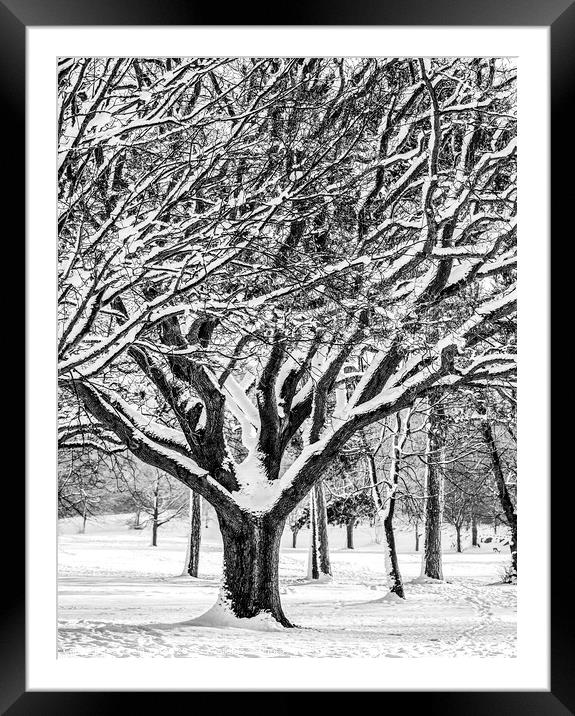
pixel 250 570
pixel 384 498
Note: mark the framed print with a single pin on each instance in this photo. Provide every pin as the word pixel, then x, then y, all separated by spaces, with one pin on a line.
pixel 287 350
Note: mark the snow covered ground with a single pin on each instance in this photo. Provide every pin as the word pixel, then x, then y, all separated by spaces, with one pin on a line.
pixel 120 597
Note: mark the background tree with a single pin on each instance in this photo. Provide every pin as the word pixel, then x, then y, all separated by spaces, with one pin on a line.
pixel 156 495
pixel 192 561
pixel 497 426
pixel 298 519
pixel 349 510
pixel 385 486
pixel 431 565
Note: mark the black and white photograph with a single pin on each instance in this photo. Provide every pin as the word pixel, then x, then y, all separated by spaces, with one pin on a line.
pixel 287 356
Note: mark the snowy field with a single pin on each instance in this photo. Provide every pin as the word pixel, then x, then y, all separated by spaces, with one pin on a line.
pixel 120 597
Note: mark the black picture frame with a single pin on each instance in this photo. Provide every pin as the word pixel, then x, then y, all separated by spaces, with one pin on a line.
pixel 559 16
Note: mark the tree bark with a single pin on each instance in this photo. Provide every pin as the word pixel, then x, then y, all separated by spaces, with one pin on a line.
pixel 384 498
pixel 155 516
pixel 195 537
pixel 319 552
pixel 434 490
pixel 349 528
pixel 502 490
pixel 417 537
pixel 392 563
pixel 473 531
pixel 251 562
pixel 84 518
pixel 294 534
pixel 313 561
pixel 458 537
pixel 377 528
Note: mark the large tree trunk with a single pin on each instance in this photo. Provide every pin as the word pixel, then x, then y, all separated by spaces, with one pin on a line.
pixel 473 531
pixel 502 490
pixel 319 561
pixel 194 541
pixel 349 529
pixel 250 571
pixel 435 457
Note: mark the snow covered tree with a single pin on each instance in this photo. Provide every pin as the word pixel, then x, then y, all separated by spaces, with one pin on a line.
pixel 156 495
pixel 350 509
pixel 90 471
pixel 297 519
pixel 469 494
pixel 385 492
pixel 234 232
pixel 465 495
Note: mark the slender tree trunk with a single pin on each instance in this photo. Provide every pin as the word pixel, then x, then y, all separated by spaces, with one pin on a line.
pixel 84 518
pixel 377 529
pixel 394 575
pixel 434 496
pixel 349 528
pixel 321 515
pixel 251 561
pixel 458 537
pixel 195 536
pixel 294 534
pixel 417 536
pixel 320 564
pixel 313 559
pixel 155 514
pixel 385 503
pixel 474 531
pixel 502 490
